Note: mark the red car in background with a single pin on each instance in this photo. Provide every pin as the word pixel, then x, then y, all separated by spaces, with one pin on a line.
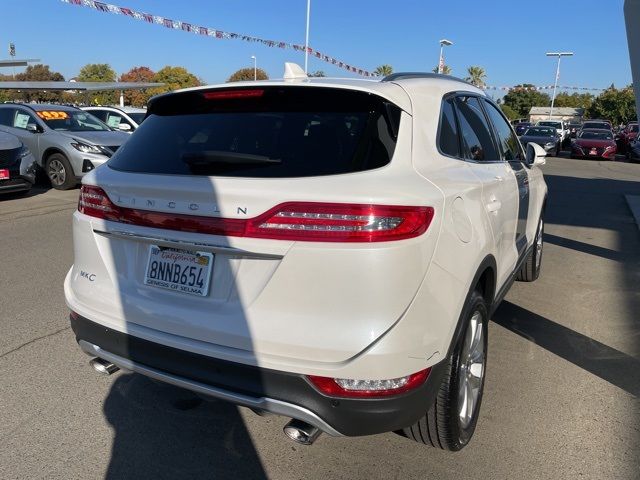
pixel 594 143
pixel 624 138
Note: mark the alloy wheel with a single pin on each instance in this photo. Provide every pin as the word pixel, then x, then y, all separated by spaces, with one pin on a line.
pixel 57 172
pixel 471 369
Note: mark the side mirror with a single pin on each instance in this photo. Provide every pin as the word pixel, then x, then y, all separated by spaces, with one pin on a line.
pixel 536 154
pixel 125 127
pixel 33 128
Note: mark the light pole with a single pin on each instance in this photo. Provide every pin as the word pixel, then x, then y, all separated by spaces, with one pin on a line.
pixel 443 43
pixel 555 85
pixel 12 53
pixel 255 68
pixel 306 38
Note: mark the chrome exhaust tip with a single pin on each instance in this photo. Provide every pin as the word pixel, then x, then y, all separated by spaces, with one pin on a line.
pixel 102 366
pixel 301 432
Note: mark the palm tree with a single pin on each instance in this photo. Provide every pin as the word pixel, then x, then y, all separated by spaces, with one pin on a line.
pixel 383 70
pixel 446 70
pixel 476 76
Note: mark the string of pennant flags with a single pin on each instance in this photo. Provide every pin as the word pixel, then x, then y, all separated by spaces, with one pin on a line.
pixel 545 87
pixel 219 34
pixel 213 33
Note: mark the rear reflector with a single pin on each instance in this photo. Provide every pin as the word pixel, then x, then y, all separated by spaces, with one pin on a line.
pixel 297 221
pixel 339 387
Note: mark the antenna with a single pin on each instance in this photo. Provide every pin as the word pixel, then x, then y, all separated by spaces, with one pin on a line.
pixel 293 71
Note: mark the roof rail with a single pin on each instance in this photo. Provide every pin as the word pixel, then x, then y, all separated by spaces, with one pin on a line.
pixel 404 75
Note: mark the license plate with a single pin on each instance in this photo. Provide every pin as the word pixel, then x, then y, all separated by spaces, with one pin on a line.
pixel 182 271
pixel 4 174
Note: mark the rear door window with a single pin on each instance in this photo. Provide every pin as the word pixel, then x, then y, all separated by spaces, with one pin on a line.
pixel 99 114
pixel 477 143
pixel 448 137
pixel 507 140
pixel 6 116
pixel 272 132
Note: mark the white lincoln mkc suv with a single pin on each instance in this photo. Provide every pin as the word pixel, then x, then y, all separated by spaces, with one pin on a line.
pixel 328 250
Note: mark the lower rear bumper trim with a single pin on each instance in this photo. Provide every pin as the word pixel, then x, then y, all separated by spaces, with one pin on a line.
pixel 271 405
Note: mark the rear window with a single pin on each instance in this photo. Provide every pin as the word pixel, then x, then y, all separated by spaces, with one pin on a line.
pixel 600 125
pixel 272 132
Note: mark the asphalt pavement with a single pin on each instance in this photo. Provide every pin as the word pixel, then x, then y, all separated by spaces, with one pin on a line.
pixel 562 387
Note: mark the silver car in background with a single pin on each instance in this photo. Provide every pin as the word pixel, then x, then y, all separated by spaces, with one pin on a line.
pixel 66 141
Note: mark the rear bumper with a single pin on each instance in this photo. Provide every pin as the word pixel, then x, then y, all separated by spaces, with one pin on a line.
pixel 18 184
pixel 277 392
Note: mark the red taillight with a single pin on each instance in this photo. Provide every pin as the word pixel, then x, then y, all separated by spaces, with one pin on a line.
pixel 298 221
pixel 232 94
pixel 94 202
pixel 335 387
pixel 340 222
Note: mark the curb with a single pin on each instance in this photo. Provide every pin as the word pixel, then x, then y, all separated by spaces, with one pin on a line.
pixel 634 206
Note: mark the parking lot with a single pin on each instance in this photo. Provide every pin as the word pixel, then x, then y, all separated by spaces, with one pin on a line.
pixel 561 395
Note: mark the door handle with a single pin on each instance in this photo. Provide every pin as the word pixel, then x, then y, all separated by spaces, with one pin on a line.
pixel 499 178
pixel 494 205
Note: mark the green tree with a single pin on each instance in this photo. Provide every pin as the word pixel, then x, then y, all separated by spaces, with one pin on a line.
pixel 317 73
pixel 99 72
pixel 618 106
pixel 477 76
pixel 39 73
pixel 247 74
pixel 510 112
pixel 5 95
pixel 446 70
pixel 574 100
pixel 521 99
pixel 383 70
pixel 137 98
pixel 174 78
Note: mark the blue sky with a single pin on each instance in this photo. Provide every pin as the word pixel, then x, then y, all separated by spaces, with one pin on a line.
pixel 507 38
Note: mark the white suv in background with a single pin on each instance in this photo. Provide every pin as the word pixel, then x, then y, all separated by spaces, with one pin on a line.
pixel 559 125
pixel 326 250
pixel 126 119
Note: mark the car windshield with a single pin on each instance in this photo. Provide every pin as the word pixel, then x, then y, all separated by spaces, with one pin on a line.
pixel 541 132
pixel 596 135
pixel 550 124
pixel 137 117
pixel 72 121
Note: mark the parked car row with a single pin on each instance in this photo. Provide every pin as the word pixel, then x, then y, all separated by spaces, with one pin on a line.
pixel 593 138
pixel 65 142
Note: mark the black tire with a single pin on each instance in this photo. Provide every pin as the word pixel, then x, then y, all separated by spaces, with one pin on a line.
pixel 59 172
pixel 442 426
pixel 530 269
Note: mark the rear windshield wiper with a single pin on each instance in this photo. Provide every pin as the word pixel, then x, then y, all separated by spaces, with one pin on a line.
pixel 211 157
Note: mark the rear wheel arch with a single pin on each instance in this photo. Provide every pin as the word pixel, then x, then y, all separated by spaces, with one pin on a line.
pixel 484 282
